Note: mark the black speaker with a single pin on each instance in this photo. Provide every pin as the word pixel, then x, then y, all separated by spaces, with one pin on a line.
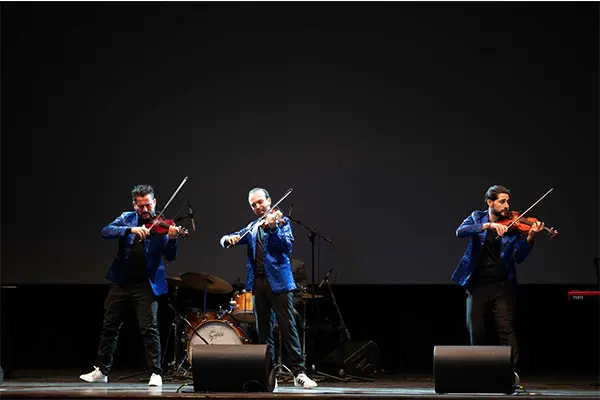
pixel 473 369
pixel 356 358
pixel 1 375
pixel 231 368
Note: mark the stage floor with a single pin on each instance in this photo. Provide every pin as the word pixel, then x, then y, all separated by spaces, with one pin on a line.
pixel 66 385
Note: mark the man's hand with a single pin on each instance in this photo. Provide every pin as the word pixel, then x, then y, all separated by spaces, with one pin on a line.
pixel 272 220
pixel 140 231
pixel 173 232
pixel 535 228
pixel 499 228
pixel 233 239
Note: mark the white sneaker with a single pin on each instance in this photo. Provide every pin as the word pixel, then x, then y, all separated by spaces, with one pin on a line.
pixel 304 381
pixel 95 376
pixel 155 380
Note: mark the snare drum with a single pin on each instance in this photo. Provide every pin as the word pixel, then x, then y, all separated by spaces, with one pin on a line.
pixel 194 315
pixel 215 331
pixel 243 310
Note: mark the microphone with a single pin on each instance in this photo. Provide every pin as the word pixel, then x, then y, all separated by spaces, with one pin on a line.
pixel 325 278
pixel 191 216
pixel 291 210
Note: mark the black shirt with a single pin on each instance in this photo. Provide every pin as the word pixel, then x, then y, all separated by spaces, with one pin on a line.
pixel 260 257
pixel 136 271
pixel 489 269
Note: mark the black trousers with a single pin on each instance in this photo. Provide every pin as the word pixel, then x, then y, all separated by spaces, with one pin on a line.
pixel 119 298
pixel 498 301
pixel 282 305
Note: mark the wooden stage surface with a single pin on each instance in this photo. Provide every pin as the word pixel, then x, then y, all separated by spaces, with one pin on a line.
pixel 66 385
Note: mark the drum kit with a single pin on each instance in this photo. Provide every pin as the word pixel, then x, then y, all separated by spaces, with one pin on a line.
pixel 228 325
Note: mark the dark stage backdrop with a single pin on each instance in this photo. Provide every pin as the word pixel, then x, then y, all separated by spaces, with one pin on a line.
pixel 389 121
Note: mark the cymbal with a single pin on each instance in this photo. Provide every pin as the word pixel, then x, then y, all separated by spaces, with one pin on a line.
pixel 212 283
pixel 175 281
pixel 296 264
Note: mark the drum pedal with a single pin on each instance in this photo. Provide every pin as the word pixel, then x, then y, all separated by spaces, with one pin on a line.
pixel 284 377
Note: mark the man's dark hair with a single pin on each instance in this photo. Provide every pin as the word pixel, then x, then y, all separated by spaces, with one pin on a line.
pixel 141 191
pixel 493 192
pixel 256 189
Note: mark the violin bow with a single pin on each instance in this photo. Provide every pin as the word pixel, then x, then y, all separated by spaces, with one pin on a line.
pixel 169 202
pixel 289 191
pixel 523 213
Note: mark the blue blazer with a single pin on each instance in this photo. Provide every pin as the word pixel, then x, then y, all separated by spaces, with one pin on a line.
pixel 277 249
pixel 514 249
pixel 156 247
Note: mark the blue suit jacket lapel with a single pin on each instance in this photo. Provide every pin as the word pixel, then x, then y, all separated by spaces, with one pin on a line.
pixel 253 234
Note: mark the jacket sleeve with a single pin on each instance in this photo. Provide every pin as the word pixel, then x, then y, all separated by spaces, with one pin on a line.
pixel 115 229
pixel 522 249
pixel 469 227
pixel 243 240
pixel 171 249
pixel 282 237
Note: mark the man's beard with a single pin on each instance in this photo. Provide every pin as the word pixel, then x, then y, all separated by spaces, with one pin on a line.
pixel 146 216
pixel 501 214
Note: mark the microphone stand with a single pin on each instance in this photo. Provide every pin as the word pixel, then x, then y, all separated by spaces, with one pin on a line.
pixel 312 233
pixel 311 237
pixel 343 327
pixel 183 217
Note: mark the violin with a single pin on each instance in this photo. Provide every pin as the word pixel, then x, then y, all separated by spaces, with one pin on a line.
pixel 160 226
pixel 516 221
pixel 278 216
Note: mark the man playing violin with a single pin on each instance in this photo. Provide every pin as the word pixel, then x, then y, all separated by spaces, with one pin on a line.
pixel 137 276
pixel 269 277
pixel 487 268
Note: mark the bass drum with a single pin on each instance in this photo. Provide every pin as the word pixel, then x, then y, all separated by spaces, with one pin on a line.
pixel 215 331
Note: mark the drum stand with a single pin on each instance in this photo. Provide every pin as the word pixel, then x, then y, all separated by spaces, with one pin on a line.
pixel 173 372
pixel 176 321
pixel 314 370
pixel 277 368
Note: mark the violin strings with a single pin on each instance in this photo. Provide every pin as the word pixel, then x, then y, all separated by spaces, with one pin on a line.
pixel 169 202
pixel 520 216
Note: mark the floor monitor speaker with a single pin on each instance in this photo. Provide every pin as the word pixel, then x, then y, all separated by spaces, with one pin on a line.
pixel 473 369
pixel 231 368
